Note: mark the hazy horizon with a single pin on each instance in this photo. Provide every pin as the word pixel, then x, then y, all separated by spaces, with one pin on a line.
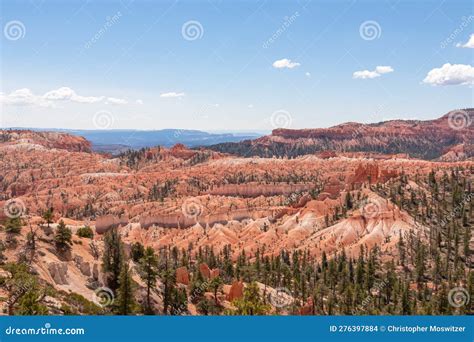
pixel 214 131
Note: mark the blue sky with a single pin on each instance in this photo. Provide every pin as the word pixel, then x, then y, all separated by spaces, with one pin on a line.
pixel 132 64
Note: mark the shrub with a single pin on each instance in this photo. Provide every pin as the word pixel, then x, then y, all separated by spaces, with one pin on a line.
pixel 85 232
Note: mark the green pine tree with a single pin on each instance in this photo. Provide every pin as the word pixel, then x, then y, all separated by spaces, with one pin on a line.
pixel 63 236
pixel 125 304
pixel 148 271
pixel 112 258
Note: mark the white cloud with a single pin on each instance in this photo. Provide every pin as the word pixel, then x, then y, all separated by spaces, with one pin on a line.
pixel 250 106
pixel 139 102
pixel 66 93
pixel 285 63
pixel 22 97
pixel 61 94
pixel 451 74
pixel 383 69
pixel 25 97
pixel 86 99
pixel 367 74
pixel 308 74
pixel 172 94
pixel 469 44
pixel 115 101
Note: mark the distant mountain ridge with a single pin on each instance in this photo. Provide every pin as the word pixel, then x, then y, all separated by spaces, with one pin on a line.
pixel 448 138
pixel 118 140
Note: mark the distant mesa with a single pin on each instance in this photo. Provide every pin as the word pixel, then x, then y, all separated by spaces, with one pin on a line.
pixel 449 137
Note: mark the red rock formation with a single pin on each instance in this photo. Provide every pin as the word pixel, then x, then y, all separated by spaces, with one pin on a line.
pixel 182 275
pixel 205 271
pixel 255 190
pixel 104 223
pixel 326 154
pixel 181 151
pixel 215 273
pixel 88 187
pixel 422 139
pixel 307 308
pixel 47 139
pixel 236 291
pixel 365 173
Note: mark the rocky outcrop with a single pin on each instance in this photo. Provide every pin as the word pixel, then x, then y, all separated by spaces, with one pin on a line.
pixel 208 273
pixel 365 173
pixel 179 220
pixel 236 291
pixel 104 223
pixel 182 152
pixel 182 275
pixel 58 271
pixel 95 272
pixel 421 139
pixel 83 266
pixel 205 271
pixel 215 273
pixel 371 174
pixel 333 187
pixel 255 190
pixel 57 140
